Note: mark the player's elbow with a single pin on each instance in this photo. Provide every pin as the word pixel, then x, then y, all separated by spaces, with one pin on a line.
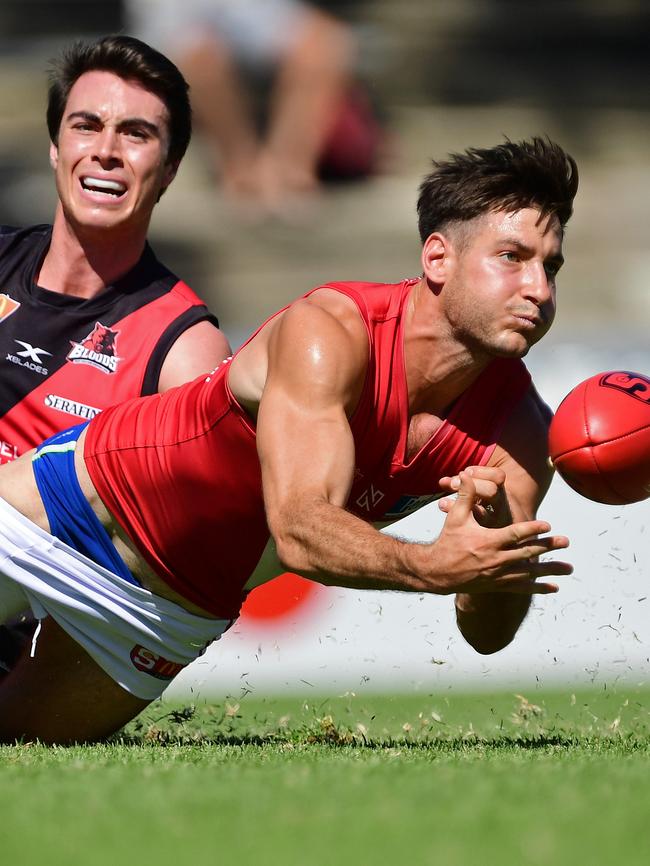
pixel 289 556
pixel 296 538
pixel 290 551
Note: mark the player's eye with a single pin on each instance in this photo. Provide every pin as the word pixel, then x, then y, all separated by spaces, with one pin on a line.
pixel 510 256
pixel 136 133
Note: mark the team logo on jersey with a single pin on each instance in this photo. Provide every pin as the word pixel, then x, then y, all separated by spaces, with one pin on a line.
pixel 30 357
pixel 151 663
pixel 97 349
pixel 7 306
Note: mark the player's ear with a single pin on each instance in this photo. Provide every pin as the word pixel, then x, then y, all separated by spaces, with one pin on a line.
pixel 436 254
pixel 54 155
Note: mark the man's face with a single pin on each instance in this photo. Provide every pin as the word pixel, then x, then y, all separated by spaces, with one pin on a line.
pixel 111 159
pixel 500 295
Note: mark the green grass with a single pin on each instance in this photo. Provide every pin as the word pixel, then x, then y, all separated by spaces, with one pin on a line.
pixel 545 778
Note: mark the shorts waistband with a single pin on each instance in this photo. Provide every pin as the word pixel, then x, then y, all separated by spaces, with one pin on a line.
pixel 70 516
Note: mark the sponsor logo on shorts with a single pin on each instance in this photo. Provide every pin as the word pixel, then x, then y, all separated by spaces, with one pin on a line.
pixel 97 349
pixel 7 306
pixel 71 407
pixel 30 357
pixel 631 383
pixel 151 663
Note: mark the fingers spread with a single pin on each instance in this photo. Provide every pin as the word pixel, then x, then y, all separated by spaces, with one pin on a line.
pixel 539 546
pixel 519 532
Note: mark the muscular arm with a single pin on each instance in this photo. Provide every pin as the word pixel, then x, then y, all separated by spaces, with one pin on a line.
pixel 316 367
pixel 198 350
pixel 317 364
pixel 490 622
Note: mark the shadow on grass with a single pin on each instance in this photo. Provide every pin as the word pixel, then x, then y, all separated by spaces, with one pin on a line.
pixel 348 740
pixel 526 731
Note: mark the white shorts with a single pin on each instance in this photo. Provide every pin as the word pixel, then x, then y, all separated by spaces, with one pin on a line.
pixel 141 640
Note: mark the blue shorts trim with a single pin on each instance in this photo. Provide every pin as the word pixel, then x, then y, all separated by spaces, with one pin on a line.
pixel 71 518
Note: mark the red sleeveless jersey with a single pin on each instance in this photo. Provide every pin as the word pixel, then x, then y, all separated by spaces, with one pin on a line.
pixel 63 359
pixel 180 470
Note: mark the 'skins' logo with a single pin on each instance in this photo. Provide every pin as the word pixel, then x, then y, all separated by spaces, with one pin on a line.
pixel 634 384
pixel 97 349
pixel 151 663
pixel 7 306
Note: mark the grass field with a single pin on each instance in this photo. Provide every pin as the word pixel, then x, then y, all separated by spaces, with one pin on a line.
pixel 541 778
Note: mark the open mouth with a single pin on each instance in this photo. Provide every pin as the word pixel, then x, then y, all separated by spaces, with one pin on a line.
pixel 110 188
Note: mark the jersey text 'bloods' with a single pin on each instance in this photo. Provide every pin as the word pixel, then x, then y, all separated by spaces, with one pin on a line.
pixel 198 513
pixel 63 359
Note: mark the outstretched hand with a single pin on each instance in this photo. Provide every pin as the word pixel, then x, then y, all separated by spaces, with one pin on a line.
pixel 475 558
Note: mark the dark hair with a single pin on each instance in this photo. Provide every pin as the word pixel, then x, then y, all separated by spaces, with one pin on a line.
pixel 132 60
pixel 511 176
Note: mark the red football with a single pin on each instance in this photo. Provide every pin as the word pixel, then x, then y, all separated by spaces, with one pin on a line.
pixel 599 439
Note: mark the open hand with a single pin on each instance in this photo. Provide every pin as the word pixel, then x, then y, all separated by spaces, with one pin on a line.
pixel 475 558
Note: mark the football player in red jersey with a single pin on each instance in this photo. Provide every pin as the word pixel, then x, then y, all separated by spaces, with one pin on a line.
pixel 136 538
pixel 119 120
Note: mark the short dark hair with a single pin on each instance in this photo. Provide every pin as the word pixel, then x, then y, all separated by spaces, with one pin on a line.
pixel 511 176
pixel 132 60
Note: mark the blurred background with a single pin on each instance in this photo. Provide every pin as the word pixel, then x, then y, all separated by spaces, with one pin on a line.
pixel 419 79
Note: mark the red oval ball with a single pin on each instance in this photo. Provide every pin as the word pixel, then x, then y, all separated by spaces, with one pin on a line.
pixel 599 439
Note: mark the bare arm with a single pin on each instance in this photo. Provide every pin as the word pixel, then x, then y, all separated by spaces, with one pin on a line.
pixel 198 350
pixel 316 368
pixel 515 485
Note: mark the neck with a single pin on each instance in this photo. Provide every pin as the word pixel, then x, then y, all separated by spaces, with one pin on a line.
pixel 83 263
pixel 439 368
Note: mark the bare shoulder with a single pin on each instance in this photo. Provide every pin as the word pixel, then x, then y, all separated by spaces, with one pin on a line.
pixel 325 326
pixel 199 349
pixel 318 341
pixel 337 304
pixel 319 349
pixel 328 310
